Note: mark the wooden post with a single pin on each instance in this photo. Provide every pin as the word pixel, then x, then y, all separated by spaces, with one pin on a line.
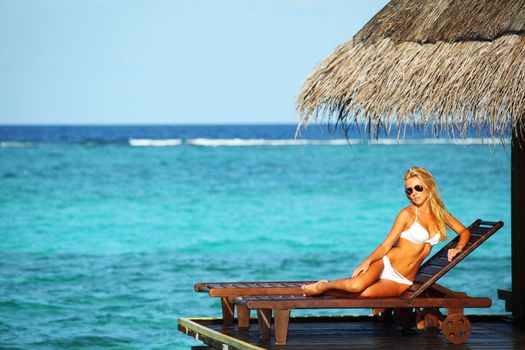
pixel 264 317
pixel 518 229
pixel 243 316
pixel 227 311
pixel 282 318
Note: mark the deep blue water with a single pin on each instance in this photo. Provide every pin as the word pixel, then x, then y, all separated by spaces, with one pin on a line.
pixel 104 232
pixel 122 134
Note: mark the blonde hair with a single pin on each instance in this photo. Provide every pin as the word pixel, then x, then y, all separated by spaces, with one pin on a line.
pixel 436 205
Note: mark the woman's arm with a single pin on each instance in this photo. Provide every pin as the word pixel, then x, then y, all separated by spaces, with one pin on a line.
pixel 387 244
pixel 464 236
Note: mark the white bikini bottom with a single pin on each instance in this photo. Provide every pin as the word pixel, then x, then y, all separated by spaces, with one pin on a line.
pixel 390 274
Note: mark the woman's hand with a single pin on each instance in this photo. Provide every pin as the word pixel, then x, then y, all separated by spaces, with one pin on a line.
pixel 452 253
pixel 361 269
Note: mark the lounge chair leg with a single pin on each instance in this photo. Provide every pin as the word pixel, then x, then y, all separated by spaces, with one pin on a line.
pixel 454 311
pixel 243 316
pixel 282 318
pixel 429 320
pixel 227 311
pixel 456 327
pixel 264 317
pixel 405 317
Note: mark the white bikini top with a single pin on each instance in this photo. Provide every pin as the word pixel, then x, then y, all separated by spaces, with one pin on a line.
pixel 417 234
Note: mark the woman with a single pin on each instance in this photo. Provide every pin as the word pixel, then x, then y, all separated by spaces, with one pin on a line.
pixel 389 271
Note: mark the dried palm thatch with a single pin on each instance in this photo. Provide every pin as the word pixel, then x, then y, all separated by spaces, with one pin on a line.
pixel 438 64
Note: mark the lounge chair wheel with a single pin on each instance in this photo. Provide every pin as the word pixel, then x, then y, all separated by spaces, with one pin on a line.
pixel 456 328
pixel 384 315
pixel 429 320
pixel 405 317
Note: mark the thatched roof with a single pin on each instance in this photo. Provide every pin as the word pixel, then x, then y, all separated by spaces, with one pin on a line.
pixel 445 64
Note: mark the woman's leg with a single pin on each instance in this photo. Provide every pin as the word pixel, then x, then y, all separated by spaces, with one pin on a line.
pixel 353 285
pixel 384 289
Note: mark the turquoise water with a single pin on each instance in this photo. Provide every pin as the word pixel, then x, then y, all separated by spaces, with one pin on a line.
pixel 101 243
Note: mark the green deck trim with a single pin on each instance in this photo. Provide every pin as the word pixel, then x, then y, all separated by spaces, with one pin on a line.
pixel 192 325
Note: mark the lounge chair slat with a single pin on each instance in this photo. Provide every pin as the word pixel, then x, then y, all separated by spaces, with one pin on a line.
pixel 422 279
pixel 216 285
pixel 435 263
pixel 236 284
pixel 478 232
pixel 229 292
pixel 431 270
pixel 292 284
pixel 275 285
pixel 488 223
pixel 443 253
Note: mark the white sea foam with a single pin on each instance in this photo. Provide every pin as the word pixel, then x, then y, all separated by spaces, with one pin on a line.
pixel 237 142
pixel 154 143
pixel 14 144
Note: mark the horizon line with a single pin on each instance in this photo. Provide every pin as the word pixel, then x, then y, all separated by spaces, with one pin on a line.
pixel 150 124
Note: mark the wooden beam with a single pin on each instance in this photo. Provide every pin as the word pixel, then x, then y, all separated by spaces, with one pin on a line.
pixel 325 302
pixel 228 309
pixel 518 229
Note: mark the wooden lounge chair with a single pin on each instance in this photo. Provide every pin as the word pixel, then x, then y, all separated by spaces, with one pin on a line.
pixel 425 296
pixel 250 295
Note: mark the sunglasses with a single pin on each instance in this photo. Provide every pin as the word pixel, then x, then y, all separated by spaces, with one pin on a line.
pixel 409 190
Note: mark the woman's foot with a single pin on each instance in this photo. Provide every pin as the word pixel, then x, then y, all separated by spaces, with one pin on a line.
pixel 314 288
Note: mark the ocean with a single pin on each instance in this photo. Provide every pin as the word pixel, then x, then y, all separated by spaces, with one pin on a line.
pixel 105 229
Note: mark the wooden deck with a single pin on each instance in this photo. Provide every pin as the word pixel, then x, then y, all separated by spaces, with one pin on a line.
pixel 353 332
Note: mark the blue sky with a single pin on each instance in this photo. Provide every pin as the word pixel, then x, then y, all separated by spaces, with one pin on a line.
pixel 169 62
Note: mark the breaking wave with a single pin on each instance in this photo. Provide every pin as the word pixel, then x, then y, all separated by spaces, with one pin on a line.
pixel 154 143
pixel 238 142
